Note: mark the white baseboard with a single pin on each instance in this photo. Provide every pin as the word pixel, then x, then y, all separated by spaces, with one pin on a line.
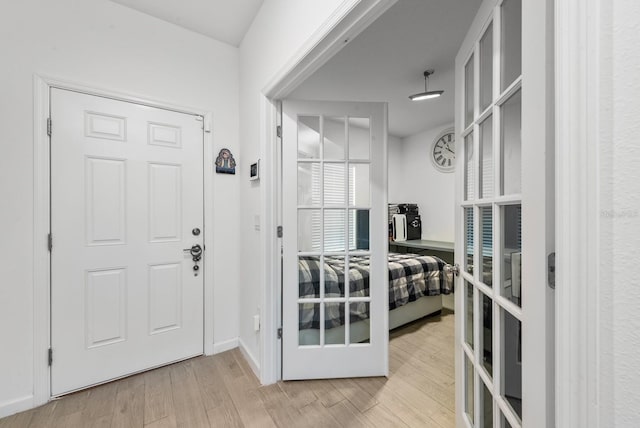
pixel 8 408
pixel 253 363
pixel 225 345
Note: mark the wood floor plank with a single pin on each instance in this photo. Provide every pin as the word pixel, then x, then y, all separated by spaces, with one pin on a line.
pixel 243 393
pixel 158 397
pixel 361 399
pixel 316 415
pixel 187 401
pixel 282 410
pixel 327 394
pixel 298 393
pixel 225 415
pixel 42 416
pixel 348 416
pixel 129 406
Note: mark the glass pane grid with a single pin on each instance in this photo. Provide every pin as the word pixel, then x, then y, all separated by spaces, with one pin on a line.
pixel 491 114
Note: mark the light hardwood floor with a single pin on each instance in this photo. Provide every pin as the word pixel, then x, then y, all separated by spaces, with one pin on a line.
pixel 221 391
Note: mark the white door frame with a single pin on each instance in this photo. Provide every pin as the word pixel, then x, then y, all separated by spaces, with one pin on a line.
pixel 42 219
pixel 579 52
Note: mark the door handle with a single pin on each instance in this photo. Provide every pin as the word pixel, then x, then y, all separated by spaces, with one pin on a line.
pixel 195 251
pixel 455 269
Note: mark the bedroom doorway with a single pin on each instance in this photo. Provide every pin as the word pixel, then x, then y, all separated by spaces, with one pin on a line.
pixel 334 207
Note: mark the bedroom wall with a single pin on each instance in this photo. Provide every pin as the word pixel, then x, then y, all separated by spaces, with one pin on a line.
pixel 274 38
pixel 414 179
pixel 105 45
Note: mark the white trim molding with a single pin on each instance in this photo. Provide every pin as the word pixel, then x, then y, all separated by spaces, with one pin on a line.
pixel 41 221
pixel 581 125
pixel 224 346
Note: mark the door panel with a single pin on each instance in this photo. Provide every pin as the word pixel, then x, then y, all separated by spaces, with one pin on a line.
pixel 126 191
pixel 504 337
pixel 334 204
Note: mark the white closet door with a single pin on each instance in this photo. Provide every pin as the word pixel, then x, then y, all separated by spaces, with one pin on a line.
pixel 127 192
pixel 504 217
pixel 335 316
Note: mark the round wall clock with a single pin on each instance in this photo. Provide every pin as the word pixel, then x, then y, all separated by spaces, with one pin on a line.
pixel 443 151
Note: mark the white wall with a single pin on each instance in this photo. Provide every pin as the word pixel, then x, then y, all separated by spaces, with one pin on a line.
pixel 620 220
pixel 413 178
pixel 102 44
pixel 274 38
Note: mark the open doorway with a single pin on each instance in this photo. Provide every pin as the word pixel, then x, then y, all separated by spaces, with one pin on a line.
pixel 386 63
pixel 482 202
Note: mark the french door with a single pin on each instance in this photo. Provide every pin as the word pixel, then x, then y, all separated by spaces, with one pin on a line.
pixel 335 310
pixel 126 201
pixel 504 217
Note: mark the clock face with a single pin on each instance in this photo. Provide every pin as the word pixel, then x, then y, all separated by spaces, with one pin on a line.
pixel 443 151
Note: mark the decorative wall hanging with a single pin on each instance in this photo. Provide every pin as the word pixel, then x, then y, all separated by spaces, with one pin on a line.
pixel 225 163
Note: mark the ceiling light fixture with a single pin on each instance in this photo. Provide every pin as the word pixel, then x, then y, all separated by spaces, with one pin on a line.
pixel 426 94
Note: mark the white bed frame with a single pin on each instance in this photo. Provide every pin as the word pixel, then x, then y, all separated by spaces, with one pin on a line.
pixel 360 330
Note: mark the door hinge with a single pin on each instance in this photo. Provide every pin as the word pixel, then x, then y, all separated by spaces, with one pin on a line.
pixel 50 242
pixel 551 270
pixel 280 333
pixel 279 231
pixel 50 356
pixel 49 126
pixel 279 131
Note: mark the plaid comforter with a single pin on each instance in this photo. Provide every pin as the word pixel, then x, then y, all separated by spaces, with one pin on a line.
pixel 411 276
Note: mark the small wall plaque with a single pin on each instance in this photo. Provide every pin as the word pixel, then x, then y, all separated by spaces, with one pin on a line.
pixel 225 163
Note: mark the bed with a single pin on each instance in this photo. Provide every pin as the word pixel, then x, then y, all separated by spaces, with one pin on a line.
pixel 416 286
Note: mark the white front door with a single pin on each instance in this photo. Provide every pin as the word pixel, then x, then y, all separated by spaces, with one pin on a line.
pixel 126 196
pixel 335 273
pixel 504 217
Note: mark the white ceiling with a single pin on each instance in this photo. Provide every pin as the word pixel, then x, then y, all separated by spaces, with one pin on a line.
pixel 223 20
pixel 386 61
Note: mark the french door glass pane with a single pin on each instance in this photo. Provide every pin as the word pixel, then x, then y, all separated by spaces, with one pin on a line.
pixel 486 158
pixel 309 183
pixel 468 92
pixel 469 388
pixel 334 138
pixel 469 169
pixel 309 318
pixel 359 268
pixel 486 334
pixel 359 138
pixel 309 137
pixel 511 41
pixel 511 345
pixel 334 278
pixel 511 145
pixel 359 191
pixel 487 406
pixel 333 317
pixel 359 322
pixel 309 230
pixel 512 253
pixel 309 271
pixel 359 230
pixel 503 422
pixel 486 68
pixel 486 245
pixel 335 228
pixel 334 184
pixel 468 240
pixel 468 313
